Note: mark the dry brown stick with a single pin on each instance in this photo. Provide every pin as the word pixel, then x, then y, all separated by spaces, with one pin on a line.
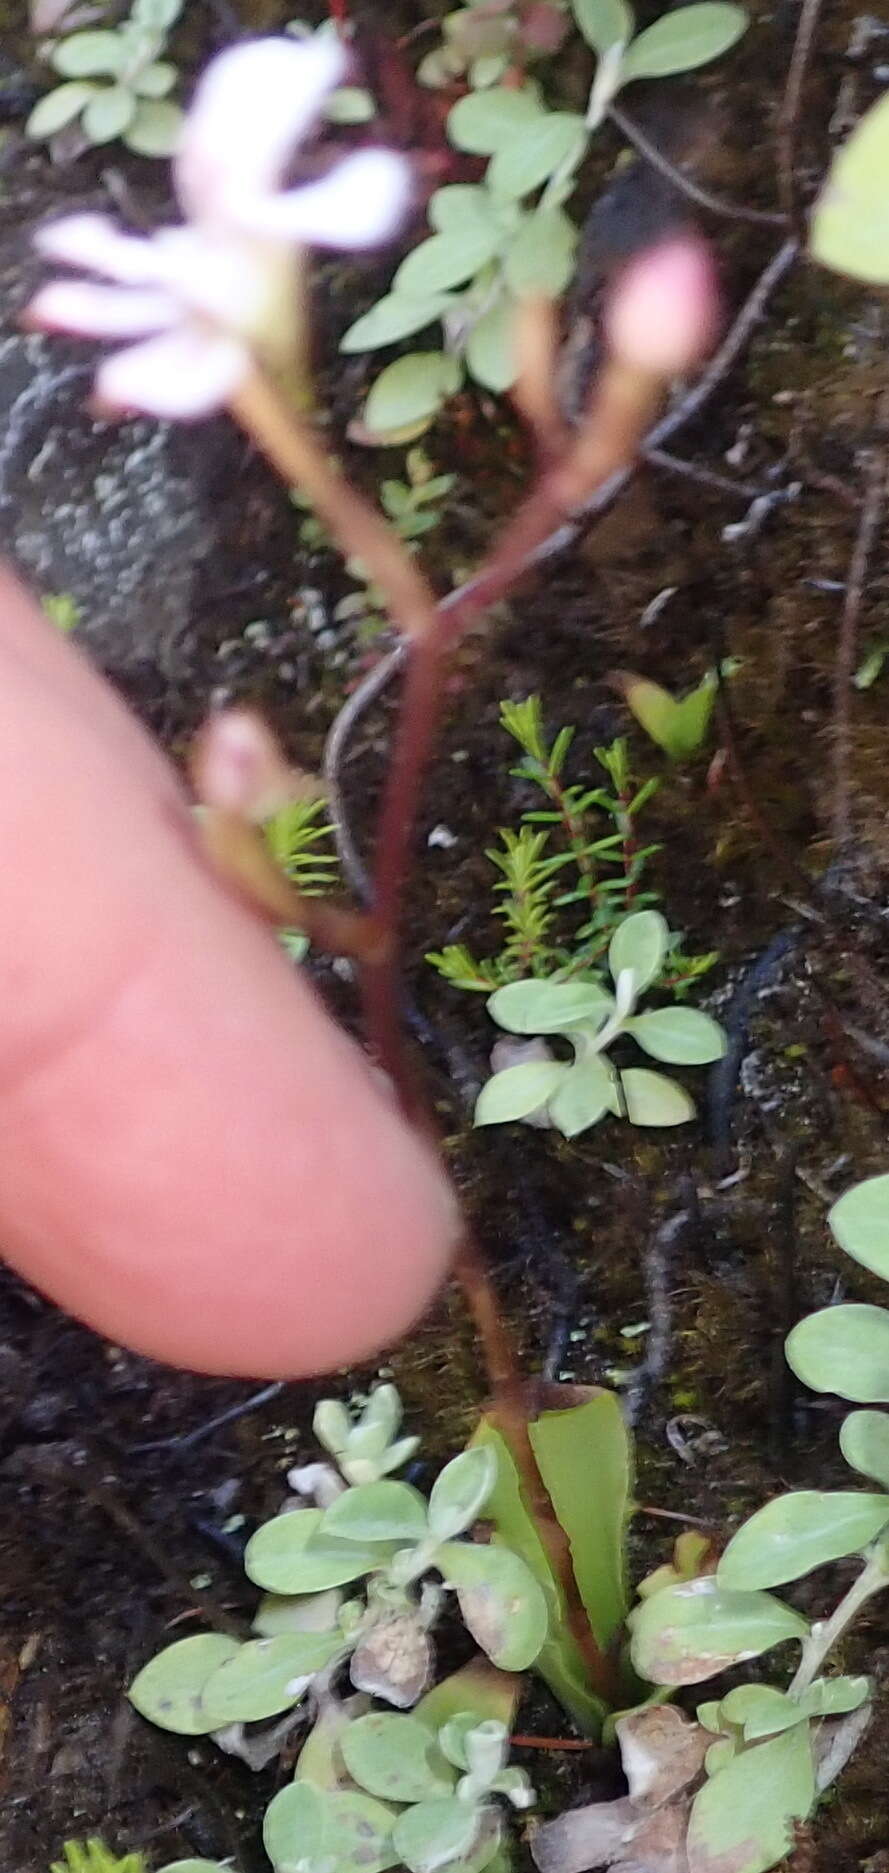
pixel 876 491
pixel 715 204
pixel 787 127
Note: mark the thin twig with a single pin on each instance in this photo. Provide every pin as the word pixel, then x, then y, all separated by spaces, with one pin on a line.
pixel 787 128
pixel 876 490
pixel 704 477
pixel 716 204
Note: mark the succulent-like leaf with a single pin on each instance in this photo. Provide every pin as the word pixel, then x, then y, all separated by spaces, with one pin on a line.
pixel 296 1612
pixel 446 260
pixel 586 1093
pixel 687 1633
pixel 434 1833
pixel 760 1710
pixel 500 1600
pixel 517 1091
pixel 683 39
pixel 490 347
pixel 639 943
pixel 850 222
pixel 266 1676
pixel 533 1007
pixel 289 1555
pixel 59 108
pixel 410 390
pixel 309 1830
pixel 462 205
pixel 459 1494
pixel 744 1816
pixel 653 1099
pixel 604 23
pixel 88 55
pixel 384 1511
pixel 109 113
pixel 540 257
pixel 845 1350
pixel 798 1531
pixel 155 129
pixel 156 81
pixel 396 1758
pixel 860 1221
pixel 487 121
pixel 168 1690
pixel 682 1036
pixel 519 166
pixel 864 1442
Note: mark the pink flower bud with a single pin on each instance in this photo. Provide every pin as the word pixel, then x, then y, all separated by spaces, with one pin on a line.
pixel 664 309
pixel 238 767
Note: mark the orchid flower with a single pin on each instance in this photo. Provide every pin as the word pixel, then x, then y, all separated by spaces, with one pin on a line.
pixel 210 298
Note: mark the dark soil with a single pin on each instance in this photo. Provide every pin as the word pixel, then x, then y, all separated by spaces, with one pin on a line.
pixel 193 588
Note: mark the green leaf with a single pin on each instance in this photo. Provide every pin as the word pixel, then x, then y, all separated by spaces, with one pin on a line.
pixel 834 1697
pixel 531 157
pixel 587 1092
pixel 860 1220
pixel 799 1531
pixel 88 55
pixel 759 1710
pixel 393 318
pixel 156 80
pixel 864 1442
pixel 168 1690
pixel 679 727
pixel 195 1866
pixel 266 1676
pixel 462 205
pixel 486 121
pixel 517 1091
pixel 287 1555
pixel 296 1612
pixel 639 943
pixel 604 23
pixel 548 1007
pixel 478 1689
pixel 411 389
pixel 459 1494
pixel 743 1818
pixel 687 1633
pixel 396 1758
pixel 652 1099
pixel 850 222
pixel 109 114
pixel 446 260
pixel 155 129
pixel 540 258
pixel 845 1350
pixel 59 107
pixel 684 1036
pixel 307 1830
pixel 682 40
pixel 585 1460
pixel 350 104
pixel 501 1602
pixel 376 1512
pixel 490 348
pixel 435 1833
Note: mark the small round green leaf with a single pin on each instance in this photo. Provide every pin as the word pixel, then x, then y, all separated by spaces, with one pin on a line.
pixel 687 1633
pixel 309 1830
pixel 350 104
pixel 266 1676
pixel 860 1221
pixel 864 1442
pixel 530 158
pixel 459 1494
pixel 683 1036
pixel 393 318
pixel 845 1350
pixel 501 1602
pixel 490 347
pixel 652 1099
pixel 156 81
pixel 436 1833
pixel 168 1690
pixel 486 121
pixel 59 107
pixel 89 55
pixel 540 257
pixel 850 222
pixel 109 114
pixel 834 1697
pixel 288 1555
pixel 518 1091
pixel 395 1757
pixel 548 1007
pixel 155 129
pixel 799 1531
pixel 639 943
pixel 411 389
pixel 293 1832
pixel 604 23
pixel 759 1710
pixel 462 205
pixel 683 39
pixel 376 1512
pixel 446 260
pixel 587 1092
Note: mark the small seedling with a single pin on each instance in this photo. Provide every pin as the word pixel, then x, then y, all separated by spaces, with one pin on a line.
pixel 116 83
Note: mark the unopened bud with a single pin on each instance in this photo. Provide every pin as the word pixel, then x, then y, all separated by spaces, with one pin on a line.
pixel 238 767
pixel 664 309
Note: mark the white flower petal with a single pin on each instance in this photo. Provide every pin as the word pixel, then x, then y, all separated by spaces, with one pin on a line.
pixel 93 242
pixel 180 376
pixel 101 311
pixel 361 202
pixel 250 111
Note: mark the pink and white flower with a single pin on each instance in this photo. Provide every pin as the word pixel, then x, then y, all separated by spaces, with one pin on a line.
pixel 212 296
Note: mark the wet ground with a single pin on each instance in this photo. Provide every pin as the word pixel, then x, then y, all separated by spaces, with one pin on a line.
pixel 184 561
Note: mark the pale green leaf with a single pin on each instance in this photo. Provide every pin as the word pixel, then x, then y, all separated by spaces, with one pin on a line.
pixel 435 1833
pixel 490 347
pixel 540 258
pixel 585 1459
pixel 109 114
pixel 59 107
pixel 586 1093
pixel 548 1007
pixel 485 121
pixel 528 159
pixel 293 1830
pixel 195 1866
pixel 464 205
pixel 155 129
pixel 683 1036
pixel 266 1676
pixel 350 104
pixel 798 1531
pixel 393 318
pixel 296 1612
pixel 759 1710
pixel 88 55
pixel 744 1817
pixel 845 1350
pixel 604 23
pixel 501 1602
pixel 518 1091
pixel 307 1830
pixel 860 1218
pixel 864 1442
pixel 687 1633
pixel 459 1494
pixel 446 260
pixel 410 390
pixel 683 39
pixel 383 1511
pixel 691 722
pixel 395 1757
pixel 156 80
pixel 834 1697
pixel 653 1099
pixel 169 1688
pixel 850 221
pixel 639 943
pixel 288 1555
